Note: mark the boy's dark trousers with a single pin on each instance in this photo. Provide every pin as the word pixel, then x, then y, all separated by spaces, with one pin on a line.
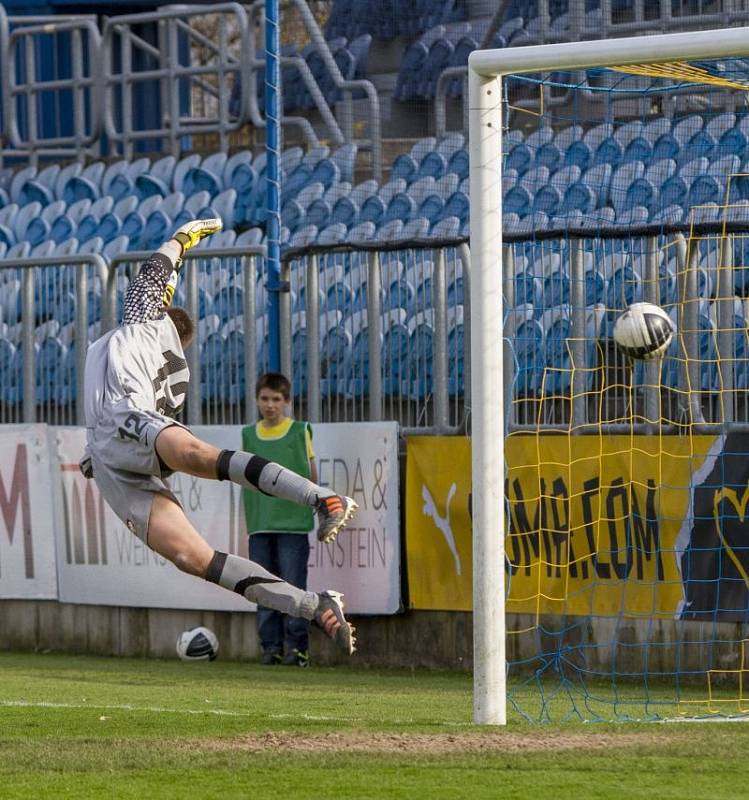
pixel 285 555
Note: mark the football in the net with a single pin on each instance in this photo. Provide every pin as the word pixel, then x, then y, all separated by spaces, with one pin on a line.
pixel 197 644
pixel 644 331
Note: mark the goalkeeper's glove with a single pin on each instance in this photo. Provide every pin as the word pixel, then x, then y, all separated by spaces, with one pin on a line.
pixel 186 237
pixel 192 232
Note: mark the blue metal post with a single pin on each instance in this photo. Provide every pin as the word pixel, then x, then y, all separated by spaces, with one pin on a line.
pixel 272 146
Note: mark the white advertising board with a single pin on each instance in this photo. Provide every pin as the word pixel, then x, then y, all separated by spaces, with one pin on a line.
pixel 27 514
pixel 101 562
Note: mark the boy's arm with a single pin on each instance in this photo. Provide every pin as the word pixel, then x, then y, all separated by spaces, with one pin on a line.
pixel 154 286
pixel 310 454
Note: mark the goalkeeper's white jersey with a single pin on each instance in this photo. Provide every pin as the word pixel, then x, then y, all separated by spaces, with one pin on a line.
pixel 142 361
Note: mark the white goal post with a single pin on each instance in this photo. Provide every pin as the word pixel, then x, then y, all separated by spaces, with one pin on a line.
pixel 486 68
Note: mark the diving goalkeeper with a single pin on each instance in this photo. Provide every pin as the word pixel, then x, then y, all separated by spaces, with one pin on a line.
pixel 135 384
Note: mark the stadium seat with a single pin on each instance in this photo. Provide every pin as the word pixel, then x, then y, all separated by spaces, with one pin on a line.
pixel 40 227
pixel 389 231
pixel 119 179
pixel 363 232
pixel 89 224
pixel 39 189
pixel 18 181
pixel 87 185
pixel 23 218
pixel 208 177
pixel 333 234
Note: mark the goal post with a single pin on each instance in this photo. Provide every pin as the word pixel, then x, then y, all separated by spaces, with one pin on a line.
pixel 487 68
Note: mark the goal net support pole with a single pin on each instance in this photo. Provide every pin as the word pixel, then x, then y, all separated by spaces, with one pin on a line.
pixel 486 68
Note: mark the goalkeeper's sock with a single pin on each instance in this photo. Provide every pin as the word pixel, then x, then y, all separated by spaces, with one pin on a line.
pixel 172 250
pixel 259 586
pixel 255 472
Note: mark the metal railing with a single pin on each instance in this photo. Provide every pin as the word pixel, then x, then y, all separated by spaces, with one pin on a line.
pixel 167 66
pixel 196 83
pixel 31 47
pixel 563 292
pixel 50 306
pixel 380 331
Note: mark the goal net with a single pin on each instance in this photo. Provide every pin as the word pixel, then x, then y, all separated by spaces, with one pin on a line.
pixel 621 178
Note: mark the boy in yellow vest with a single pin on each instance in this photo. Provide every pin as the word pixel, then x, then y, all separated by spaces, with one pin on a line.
pixel 279 529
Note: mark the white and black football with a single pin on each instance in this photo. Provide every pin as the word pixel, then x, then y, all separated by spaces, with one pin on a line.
pixel 197 644
pixel 644 331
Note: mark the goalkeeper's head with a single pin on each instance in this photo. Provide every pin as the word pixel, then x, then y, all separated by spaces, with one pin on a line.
pixel 183 323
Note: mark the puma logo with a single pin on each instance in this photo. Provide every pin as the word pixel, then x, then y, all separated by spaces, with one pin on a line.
pixel 442 523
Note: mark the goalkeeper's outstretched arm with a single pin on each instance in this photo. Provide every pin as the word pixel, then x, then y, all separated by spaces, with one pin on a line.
pixel 154 286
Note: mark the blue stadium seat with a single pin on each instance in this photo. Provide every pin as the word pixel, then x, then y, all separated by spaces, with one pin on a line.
pixel 609 152
pixel 332 234
pixel 666 146
pixel 578 197
pixel 547 199
pixel 214 378
pixel 345 157
pixel 345 211
pixel 89 224
pixel 517 201
pixel 446 228
pixel 401 207
pixel 578 154
pixel 363 232
pixel 673 192
pixel 457 205
pixel 192 208
pixel 87 185
pixel 641 192
pixel 11 373
pixel 529 351
pixel 23 219
pixel 704 189
pixel 395 345
pixel 7 219
pixel 39 189
pixel 417 228
pixel 157 180
pixel 40 227
pixel 639 149
pixel 318 214
pixel 208 177
pixel 372 210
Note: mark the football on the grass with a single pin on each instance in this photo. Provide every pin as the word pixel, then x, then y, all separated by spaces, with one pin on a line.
pixel 197 644
pixel 644 331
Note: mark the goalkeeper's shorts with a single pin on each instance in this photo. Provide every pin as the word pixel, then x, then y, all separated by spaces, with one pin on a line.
pixel 125 465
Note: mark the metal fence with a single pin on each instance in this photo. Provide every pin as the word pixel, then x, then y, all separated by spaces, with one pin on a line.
pixel 49 306
pixel 153 80
pixel 380 331
pixel 563 293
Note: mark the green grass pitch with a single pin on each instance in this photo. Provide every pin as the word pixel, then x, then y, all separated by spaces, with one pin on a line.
pixel 85 727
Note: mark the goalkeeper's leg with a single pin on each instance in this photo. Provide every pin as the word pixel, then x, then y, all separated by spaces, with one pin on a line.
pixel 181 451
pixel 172 535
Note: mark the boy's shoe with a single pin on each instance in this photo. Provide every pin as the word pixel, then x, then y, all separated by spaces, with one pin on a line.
pixel 270 658
pixel 329 617
pixel 296 658
pixel 334 512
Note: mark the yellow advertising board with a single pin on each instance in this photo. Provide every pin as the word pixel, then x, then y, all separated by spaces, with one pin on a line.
pixel 596 523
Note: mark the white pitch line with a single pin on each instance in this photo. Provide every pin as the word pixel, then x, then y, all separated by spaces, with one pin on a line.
pixel 702 720
pixel 217 712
